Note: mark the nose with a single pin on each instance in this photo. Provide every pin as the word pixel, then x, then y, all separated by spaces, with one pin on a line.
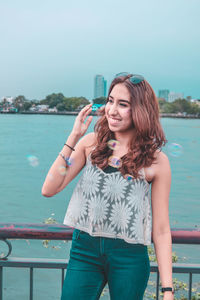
pixel 113 110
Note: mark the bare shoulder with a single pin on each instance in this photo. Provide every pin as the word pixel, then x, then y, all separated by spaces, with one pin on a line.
pixel 161 157
pixel 162 165
pixel 158 167
pixel 89 141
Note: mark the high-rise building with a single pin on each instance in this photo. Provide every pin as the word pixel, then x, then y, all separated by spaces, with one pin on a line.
pixel 100 86
pixel 173 96
pixel 105 88
pixel 163 94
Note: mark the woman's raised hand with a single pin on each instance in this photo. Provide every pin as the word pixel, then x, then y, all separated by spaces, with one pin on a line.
pixel 80 128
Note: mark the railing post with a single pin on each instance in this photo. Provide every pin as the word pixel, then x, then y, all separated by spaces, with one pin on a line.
pixel 1 283
pixel 190 286
pixel 31 284
pixel 157 285
pixel 62 281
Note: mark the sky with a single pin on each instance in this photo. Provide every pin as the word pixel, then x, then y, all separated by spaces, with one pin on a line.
pixel 59 46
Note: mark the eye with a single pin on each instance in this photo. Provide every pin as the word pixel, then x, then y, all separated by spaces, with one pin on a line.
pixel 124 105
pixel 110 101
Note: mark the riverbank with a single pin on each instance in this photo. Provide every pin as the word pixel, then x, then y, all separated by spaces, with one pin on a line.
pixel 93 113
pixel 180 116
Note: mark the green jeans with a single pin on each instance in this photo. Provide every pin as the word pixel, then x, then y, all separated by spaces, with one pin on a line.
pixel 95 261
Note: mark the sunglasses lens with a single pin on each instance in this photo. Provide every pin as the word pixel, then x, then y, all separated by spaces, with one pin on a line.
pixel 121 74
pixel 135 79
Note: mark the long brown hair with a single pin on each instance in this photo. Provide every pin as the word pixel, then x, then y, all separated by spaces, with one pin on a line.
pixel 149 135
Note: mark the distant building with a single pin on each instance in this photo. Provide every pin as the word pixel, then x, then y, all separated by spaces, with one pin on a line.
pixel 163 94
pixel 173 96
pixel 39 108
pixel 189 98
pixel 100 86
pixel 8 99
pixel 54 109
pixel 33 108
pixel 196 101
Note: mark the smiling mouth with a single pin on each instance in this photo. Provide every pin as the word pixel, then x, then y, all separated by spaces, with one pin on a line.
pixel 113 122
pixel 114 119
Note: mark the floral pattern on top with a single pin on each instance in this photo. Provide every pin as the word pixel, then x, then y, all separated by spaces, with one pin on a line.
pixel 120 215
pixel 114 187
pixel 106 227
pixel 77 208
pixel 108 205
pixel 98 209
pixel 90 181
pixel 137 194
pixel 137 228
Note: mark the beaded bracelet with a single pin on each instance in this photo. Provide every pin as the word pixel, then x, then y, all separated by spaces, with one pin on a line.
pixel 69 147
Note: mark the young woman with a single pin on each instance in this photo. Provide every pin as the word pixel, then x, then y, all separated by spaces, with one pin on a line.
pixel 110 206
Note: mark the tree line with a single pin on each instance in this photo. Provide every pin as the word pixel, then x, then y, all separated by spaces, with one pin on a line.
pixel 63 103
pixel 179 106
pixel 58 100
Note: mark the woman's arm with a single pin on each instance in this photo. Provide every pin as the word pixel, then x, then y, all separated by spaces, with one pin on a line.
pixel 160 225
pixel 56 179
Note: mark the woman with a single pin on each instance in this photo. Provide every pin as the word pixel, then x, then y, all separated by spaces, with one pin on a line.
pixel 110 206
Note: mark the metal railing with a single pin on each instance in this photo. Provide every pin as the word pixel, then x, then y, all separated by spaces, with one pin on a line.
pixel 62 232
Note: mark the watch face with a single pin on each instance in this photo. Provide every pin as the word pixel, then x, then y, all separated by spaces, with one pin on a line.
pixel 167 289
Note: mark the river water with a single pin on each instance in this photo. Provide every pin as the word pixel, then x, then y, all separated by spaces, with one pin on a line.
pixel 43 136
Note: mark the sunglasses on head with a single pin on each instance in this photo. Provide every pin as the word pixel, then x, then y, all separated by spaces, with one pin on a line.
pixel 135 78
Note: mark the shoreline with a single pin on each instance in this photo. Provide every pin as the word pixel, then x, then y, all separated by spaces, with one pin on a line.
pixel 93 113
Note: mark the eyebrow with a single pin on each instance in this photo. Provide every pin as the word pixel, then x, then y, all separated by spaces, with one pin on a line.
pixel 122 100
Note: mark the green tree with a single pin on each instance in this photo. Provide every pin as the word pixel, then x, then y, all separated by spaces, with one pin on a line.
pixel 161 103
pixel 194 108
pixel 100 100
pixel 74 103
pixel 20 99
pixel 27 105
pixel 181 105
pixel 19 102
pixel 60 107
pixel 53 99
pixel 167 108
pixel 4 101
pixel 68 104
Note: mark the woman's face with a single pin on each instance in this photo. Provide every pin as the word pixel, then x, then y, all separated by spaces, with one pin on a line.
pixel 118 109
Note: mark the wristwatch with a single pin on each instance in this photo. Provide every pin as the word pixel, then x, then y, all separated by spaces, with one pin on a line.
pixel 167 289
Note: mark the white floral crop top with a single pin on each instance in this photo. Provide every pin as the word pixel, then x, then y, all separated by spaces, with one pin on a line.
pixel 108 205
